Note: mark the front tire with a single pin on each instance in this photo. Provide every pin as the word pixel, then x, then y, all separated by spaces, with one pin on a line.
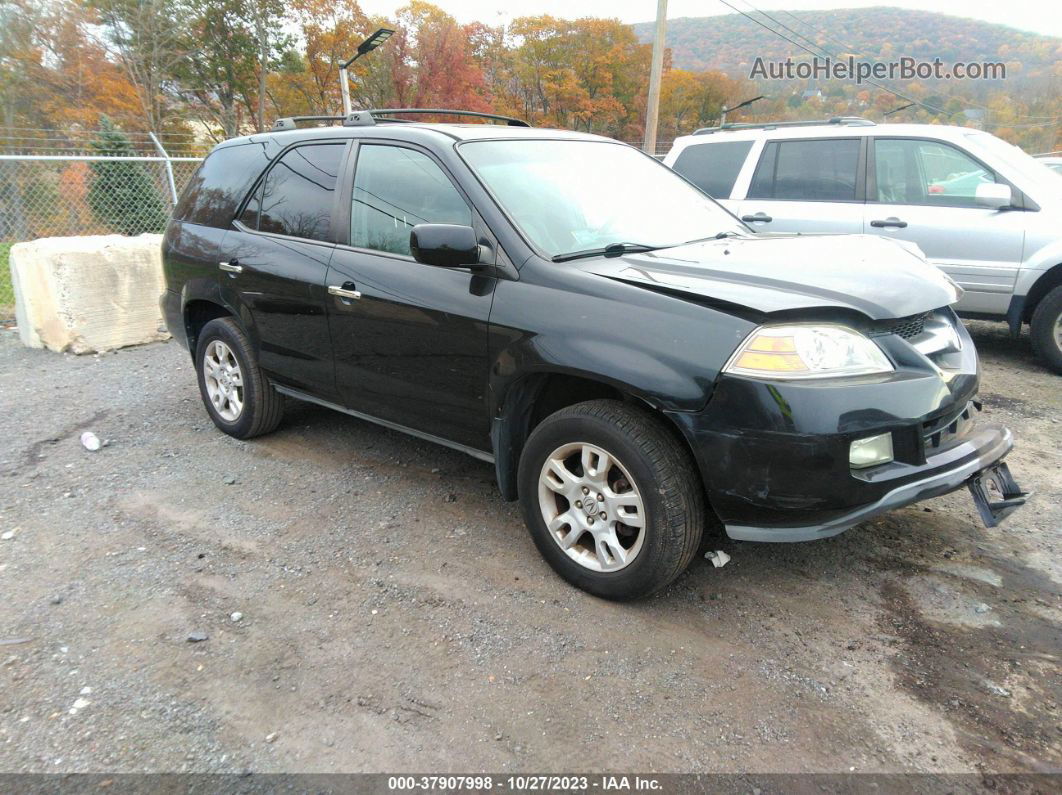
pixel 237 395
pixel 611 498
pixel 1047 329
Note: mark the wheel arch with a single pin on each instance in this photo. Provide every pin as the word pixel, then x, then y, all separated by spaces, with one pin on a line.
pixel 1049 280
pixel 197 313
pixel 201 302
pixel 533 397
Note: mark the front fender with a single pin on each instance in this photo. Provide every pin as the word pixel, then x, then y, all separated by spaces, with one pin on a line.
pixel 664 350
pixel 658 349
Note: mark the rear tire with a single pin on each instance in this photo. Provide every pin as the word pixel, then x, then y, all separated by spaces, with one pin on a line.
pixel 589 467
pixel 1047 329
pixel 237 395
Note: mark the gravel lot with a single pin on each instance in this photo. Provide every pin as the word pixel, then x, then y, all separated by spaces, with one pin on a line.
pixel 396 616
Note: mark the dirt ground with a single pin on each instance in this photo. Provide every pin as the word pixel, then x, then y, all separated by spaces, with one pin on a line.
pixel 395 615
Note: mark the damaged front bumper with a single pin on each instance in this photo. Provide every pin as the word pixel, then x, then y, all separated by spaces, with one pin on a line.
pixel 774 457
pixel 968 463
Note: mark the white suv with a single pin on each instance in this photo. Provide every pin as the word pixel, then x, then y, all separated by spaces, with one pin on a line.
pixel 981 209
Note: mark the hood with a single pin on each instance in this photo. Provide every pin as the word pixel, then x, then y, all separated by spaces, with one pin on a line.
pixel 875 276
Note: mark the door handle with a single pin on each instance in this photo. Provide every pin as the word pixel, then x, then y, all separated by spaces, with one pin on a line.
pixel 342 292
pixel 232 266
pixel 890 221
pixel 761 217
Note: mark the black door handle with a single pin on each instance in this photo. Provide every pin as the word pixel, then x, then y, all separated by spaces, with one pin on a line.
pixel 762 217
pixel 890 221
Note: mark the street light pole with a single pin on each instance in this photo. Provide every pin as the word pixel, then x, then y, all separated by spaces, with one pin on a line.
pixel 370 44
pixel 656 69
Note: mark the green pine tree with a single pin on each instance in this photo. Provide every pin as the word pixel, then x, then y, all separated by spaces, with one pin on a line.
pixel 123 196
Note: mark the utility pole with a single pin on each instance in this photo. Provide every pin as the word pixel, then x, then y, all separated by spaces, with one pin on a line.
pixel 652 111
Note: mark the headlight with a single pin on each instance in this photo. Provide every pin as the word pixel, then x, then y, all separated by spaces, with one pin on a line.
pixel 812 351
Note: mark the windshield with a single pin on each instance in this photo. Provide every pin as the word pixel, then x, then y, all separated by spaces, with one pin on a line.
pixel 579 196
pixel 1016 158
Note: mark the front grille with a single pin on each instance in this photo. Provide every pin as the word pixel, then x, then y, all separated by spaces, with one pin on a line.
pixel 906 327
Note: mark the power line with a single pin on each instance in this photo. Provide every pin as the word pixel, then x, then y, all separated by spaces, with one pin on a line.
pixel 821 51
pixel 820 54
pixel 849 48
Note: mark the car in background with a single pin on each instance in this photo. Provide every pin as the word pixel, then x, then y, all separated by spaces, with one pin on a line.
pixel 1053 162
pixel 984 211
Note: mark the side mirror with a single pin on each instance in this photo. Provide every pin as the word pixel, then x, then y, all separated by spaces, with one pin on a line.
pixel 993 195
pixel 444 245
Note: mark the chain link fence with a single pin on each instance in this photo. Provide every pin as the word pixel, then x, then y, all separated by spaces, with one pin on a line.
pixel 56 183
pixel 59 184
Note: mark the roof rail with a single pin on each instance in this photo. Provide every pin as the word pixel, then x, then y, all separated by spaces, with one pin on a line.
pixel 362 118
pixel 291 122
pixel 849 121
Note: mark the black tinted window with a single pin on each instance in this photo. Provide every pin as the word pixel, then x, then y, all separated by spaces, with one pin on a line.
pixel 212 195
pixel 298 194
pixel 249 216
pixel 823 170
pixel 394 190
pixel 713 167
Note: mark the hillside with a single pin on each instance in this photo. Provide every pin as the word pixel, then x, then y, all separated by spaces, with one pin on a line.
pixel 731 43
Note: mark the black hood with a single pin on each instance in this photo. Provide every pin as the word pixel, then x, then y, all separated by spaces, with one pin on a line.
pixel 877 277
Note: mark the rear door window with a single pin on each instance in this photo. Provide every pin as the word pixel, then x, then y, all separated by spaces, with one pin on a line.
pixel 212 195
pixel 394 190
pixel 297 197
pixel 823 170
pixel 713 167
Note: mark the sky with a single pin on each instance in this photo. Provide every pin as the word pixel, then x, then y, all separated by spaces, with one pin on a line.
pixel 1038 16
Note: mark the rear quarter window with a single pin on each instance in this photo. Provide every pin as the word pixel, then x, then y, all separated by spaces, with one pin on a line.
pixel 713 167
pixel 218 187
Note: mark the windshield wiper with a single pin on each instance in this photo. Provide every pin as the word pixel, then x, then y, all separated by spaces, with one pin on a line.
pixel 717 236
pixel 612 249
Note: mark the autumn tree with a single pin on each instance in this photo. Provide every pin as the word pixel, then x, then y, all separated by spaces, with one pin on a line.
pixel 307 82
pixel 586 74
pixel 20 59
pixel 222 64
pixel 447 74
pixel 689 100
pixel 148 39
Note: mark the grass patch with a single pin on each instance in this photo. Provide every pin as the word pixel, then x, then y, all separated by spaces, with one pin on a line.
pixel 7 293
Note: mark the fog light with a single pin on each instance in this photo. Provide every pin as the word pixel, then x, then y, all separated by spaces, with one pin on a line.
pixel 871 451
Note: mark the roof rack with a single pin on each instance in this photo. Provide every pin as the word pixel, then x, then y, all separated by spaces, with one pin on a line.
pixel 848 121
pixel 365 118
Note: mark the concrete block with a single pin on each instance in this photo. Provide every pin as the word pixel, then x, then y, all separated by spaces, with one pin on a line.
pixel 88 294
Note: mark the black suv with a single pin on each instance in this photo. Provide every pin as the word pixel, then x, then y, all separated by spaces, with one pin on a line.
pixel 632 358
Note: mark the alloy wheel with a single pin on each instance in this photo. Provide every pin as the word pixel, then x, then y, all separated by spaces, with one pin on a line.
pixel 592 507
pixel 224 380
